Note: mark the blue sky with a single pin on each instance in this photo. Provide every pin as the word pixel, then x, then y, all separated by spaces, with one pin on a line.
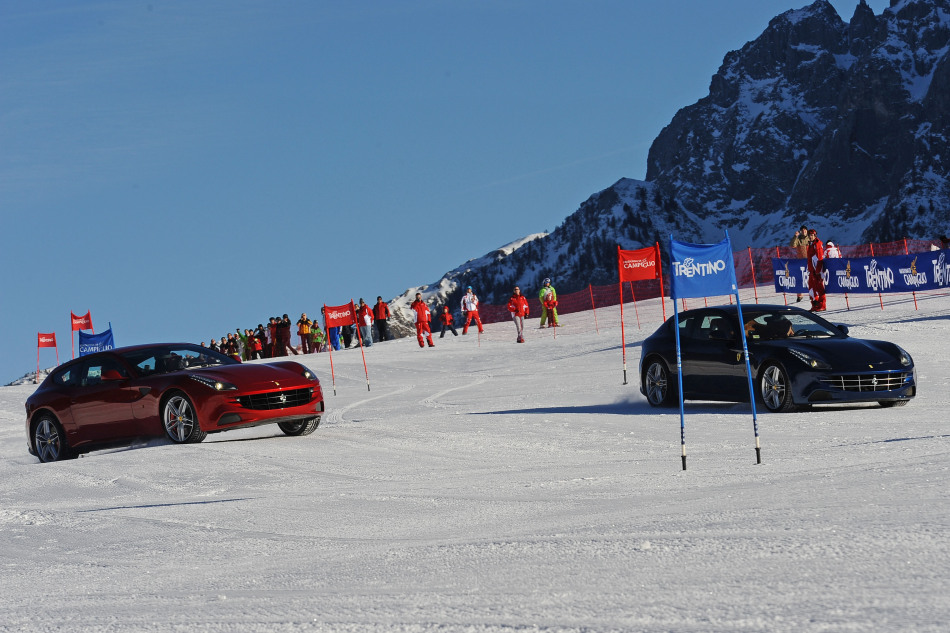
pixel 181 169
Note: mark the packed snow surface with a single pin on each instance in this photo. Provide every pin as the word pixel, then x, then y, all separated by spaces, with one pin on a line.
pixel 483 485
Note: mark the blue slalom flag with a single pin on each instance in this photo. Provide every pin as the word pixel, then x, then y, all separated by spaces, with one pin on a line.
pixel 705 270
pixel 92 343
pixel 701 270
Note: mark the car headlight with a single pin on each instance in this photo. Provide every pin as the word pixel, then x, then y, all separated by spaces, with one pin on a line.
pixel 808 359
pixel 217 385
pixel 309 374
pixel 906 360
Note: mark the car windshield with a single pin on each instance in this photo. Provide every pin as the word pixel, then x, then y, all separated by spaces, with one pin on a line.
pixel 767 326
pixel 163 359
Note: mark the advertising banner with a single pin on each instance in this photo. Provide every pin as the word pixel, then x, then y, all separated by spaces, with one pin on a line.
pixel 81 322
pixel 701 270
pixel 868 275
pixel 92 343
pixel 336 316
pixel 46 340
pixel 638 265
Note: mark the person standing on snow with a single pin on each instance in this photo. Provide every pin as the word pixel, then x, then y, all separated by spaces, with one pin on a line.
pixel 303 331
pixel 381 316
pixel 422 318
pixel 548 298
pixel 448 322
pixel 832 251
pixel 364 318
pixel 518 306
pixel 470 307
pixel 800 243
pixel 816 285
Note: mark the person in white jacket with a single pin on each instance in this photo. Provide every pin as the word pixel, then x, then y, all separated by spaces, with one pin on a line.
pixel 470 310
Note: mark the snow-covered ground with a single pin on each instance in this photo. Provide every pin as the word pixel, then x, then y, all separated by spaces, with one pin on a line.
pixel 488 486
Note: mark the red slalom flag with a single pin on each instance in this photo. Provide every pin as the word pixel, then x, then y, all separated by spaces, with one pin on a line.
pixel 46 340
pixel 81 322
pixel 638 265
pixel 335 316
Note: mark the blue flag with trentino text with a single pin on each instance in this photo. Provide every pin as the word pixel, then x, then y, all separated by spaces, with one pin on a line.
pixel 701 270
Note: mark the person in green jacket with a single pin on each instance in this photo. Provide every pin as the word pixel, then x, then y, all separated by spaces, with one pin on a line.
pixel 548 298
pixel 317 338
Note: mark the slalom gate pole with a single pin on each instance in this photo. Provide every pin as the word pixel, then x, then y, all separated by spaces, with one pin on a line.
pixel 329 347
pixel 754 288
pixel 635 310
pixel 623 338
pixel 907 252
pixel 659 270
pixel 748 367
pixel 679 379
pixel 593 307
pixel 879 295
pixel 359 337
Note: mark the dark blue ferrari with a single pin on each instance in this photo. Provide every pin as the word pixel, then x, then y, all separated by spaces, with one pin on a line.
pixel 797 358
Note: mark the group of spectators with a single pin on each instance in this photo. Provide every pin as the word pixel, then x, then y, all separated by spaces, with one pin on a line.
pixel 517 307
pixel 811 248
pixel 372 324
pixel 271 340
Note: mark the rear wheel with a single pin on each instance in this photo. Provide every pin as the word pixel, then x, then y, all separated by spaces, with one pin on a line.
pixel 180 420
pixel 656 383
pixel 775 389
pixel 300 427
pixel 49 440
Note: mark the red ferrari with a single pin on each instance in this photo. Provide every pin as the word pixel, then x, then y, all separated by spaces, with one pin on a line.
pixel 179 390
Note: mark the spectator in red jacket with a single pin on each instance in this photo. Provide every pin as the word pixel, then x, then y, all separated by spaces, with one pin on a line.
pixel 448 322
pixel 422 317
pixel 364 321
pixel 816 284
pixel 272 331
pixel 518 306
pixel 381 314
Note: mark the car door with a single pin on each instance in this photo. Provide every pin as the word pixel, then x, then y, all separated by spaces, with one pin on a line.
pixel 102 402
pixel 713 366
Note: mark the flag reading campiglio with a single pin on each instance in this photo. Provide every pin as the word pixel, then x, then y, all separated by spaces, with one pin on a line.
pixel 92 343
pixel 705 270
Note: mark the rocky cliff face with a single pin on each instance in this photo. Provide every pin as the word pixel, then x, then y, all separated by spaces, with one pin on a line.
pixel 839 125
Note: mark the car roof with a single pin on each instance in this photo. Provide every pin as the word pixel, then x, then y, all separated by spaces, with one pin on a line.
pixel 754 307
pixel 122 350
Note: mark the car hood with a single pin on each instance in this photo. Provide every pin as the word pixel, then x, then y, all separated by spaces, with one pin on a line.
pixel 847 354
pixel 256 377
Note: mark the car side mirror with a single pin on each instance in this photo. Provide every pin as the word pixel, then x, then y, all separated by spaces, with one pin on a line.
pixel 842 327
pixel 111 374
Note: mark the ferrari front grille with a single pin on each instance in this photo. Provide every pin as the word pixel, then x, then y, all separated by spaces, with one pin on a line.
pixel 277 399
pixel 868 382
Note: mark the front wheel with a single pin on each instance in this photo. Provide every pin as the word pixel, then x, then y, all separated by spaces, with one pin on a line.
pixel 49 441
pixel 775 389
pixel 300 427
pixel 656 384
pixel 180 420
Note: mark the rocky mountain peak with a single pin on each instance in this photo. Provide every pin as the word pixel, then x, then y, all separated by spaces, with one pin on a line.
pixel 844 126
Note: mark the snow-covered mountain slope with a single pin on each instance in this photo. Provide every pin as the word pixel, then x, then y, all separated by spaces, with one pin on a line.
pixel 844 126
